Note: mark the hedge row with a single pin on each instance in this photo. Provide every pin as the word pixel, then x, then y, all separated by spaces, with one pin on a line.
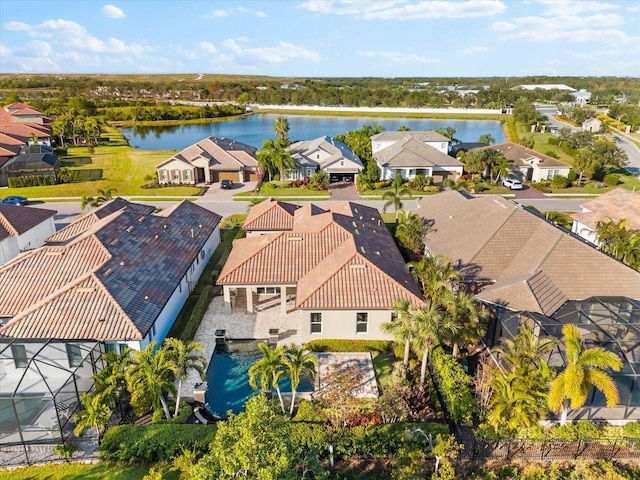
pixel 197 313
pixel 328 345
pixel 31 181
pixel 154 443
pixel 454 386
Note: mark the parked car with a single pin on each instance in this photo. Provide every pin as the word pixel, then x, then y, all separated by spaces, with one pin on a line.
pixel 14 200
pixel 226 184
pixel 512 183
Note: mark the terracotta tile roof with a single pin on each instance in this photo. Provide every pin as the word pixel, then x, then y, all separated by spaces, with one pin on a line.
pixel 491 239
pixel 523 156
pixel 270 215
pixel 25 130
pixel 122 268
pixel 410 152
pixel 16 220
pixel 616 204
pixel 339 257
pixel 423 136
pixel 221 154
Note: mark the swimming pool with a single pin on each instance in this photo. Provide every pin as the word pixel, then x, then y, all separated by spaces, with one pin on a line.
pixel 228 378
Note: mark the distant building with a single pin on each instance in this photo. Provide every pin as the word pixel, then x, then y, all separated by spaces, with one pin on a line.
pixel 592 125
pixel 548 86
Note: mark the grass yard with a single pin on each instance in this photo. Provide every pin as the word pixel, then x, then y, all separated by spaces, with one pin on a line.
pixel 291 192
pixel 114 164
pixel 78 471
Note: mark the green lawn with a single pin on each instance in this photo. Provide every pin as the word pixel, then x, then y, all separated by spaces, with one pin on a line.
pixel 290 192
pixel 80 471
pixel 114 164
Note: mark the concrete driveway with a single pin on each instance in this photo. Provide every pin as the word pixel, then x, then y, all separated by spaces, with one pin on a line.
pixel 217 194
pixel 343 192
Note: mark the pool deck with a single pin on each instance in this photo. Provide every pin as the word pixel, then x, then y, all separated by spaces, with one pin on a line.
pixel 242 325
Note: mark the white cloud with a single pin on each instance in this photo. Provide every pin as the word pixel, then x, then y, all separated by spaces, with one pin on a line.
pixel 261 15
pixel 562 7
pixel 111 11
pixel 208 48
pixel 284 52
pixel 403 10
pixel 217 14
pixel 474 50
pixel 398 57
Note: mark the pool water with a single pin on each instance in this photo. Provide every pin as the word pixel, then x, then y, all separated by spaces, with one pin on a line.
pixel 228 379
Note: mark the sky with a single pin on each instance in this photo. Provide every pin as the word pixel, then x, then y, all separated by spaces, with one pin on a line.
pixel 323 38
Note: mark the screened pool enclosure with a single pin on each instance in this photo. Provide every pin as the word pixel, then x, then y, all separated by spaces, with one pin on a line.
pixel 612 323
pixel 40 387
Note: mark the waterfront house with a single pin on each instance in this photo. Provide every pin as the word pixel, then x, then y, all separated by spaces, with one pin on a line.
pixel 324 154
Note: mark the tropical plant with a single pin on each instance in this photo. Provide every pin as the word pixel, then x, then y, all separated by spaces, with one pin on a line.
pixel 87 202
pixel 281 129
pixel 487 138
pixel 274 157
pixel 150 378
pixel 111 381
pixel 436 275
pixel 585 369
pixel 498 165
pixel 268 370
pixel 95 413
pixel 466 318
pixel 428 329
pixel 619 241
pixel 475 161
pixel 513 407
pixel 402 328
pixel 394 196
pixel 186 357
pixel 410 232
pixel 105 195
pixel 298 361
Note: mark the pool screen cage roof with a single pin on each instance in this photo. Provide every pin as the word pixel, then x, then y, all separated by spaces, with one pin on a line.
pixel 41 385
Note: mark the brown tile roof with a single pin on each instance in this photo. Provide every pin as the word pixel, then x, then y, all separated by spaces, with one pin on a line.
pixel 523 156
pixel 16 220
pixel 25 130
pixel 616 204
pixel 494 240
pixel 411 152
pixel 270 215
pixel 221 154
pixel 339 257
pixel 108 279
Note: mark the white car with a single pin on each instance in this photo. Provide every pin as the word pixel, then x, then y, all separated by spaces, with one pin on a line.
pixel 512 183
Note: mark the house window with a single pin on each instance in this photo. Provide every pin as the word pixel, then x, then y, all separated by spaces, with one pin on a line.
pixel 316 322
pixel 268 290
pixel 152 332
pixel 187 174
pixel 342 163
pixel 19 353
pixel 165 175
pixel 317 156
pixel 122 347
pixel 74 354
pixel 362 322
pixel 111 347
pixel 176 175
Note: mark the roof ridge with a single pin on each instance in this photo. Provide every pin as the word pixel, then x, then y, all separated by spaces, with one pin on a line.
pixel 266 241
pixel 6 224
pixel 117 305
pixel 387 275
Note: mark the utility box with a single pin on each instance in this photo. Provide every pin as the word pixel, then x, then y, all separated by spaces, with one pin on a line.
pixel 200 393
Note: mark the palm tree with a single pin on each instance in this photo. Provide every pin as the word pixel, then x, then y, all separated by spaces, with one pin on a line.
pixel 150 378
pixel 410 232
pixel 86 202
pixel 281 129
pixel 511 405
pixel 111 381
pixel 298 361
pixel 498 166
pixel 436 275
pixel 268 370
pixel 585 369
pixel 394 196
pixel 402 328
pixel 94 414
pixel 185 356
pixel 104 196
pixel 274 156
pixel 463 312
pixel 526 351
pixel 429 328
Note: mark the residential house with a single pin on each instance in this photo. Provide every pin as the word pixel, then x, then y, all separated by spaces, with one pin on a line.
pixel 335 272
pixel 22 229
pixel 324 154
pixel 19 112
pixel 529 164
pixel 525 269
pixel 31 165
pixel 592 125
pixel 582 97
pixel 411 155
pixel 115 278
pixel 615 205
pixel 383 140
pixel 210 160
pixel 547 86
pixel 269 216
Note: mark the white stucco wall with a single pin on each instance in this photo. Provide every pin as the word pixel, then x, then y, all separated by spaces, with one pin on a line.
pixel 34 238
pixel 341 324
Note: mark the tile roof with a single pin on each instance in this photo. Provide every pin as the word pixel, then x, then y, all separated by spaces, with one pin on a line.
pixel 16 220
pixel 25 130
pixel 108 279
pixel 340 257
pixel 303 152
pixel 411 152
pixel 616 204
pixel 525 157
pixel 270 215
pixel 527 260
pixel 221 154
pixel 423 136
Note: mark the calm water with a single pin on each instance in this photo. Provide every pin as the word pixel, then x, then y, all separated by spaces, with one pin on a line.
pixel 253 129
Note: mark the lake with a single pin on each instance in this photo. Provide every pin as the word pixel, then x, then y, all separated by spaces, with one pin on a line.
pixel 253 129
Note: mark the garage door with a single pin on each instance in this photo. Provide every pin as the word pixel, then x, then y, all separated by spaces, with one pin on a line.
pixel 250 176
pixel 219 176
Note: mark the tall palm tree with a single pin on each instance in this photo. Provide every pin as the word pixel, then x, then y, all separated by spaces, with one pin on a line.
pixel 429 327
pixel 498 166
pixel 463 312
pixel 512 406
pixel 150 378
pixel 298 361
pixel 274 156
pixel 394 196
pixel 585 369
pixel 402 328
pixel 186 357
pixel 281 129
pixel 87 201
pixel 105 195
pixel 410 232
pixel 436 275
pixel 94 414
pixel 111 381
pixel 268 370
pixel 526 351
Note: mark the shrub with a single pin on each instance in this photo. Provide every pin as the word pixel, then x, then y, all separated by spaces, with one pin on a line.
pixel 552 153
pixel 431 189
pixel 183 415
pixel 454 386
pixel 153 443
pixel 381 184
pixel 572 176
pixel 197 313
pixel 328 345
pixel 611 179
pixel 553 141
pixel 558 181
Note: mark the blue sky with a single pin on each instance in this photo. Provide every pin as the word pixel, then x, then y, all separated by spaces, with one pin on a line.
pixel 323 38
